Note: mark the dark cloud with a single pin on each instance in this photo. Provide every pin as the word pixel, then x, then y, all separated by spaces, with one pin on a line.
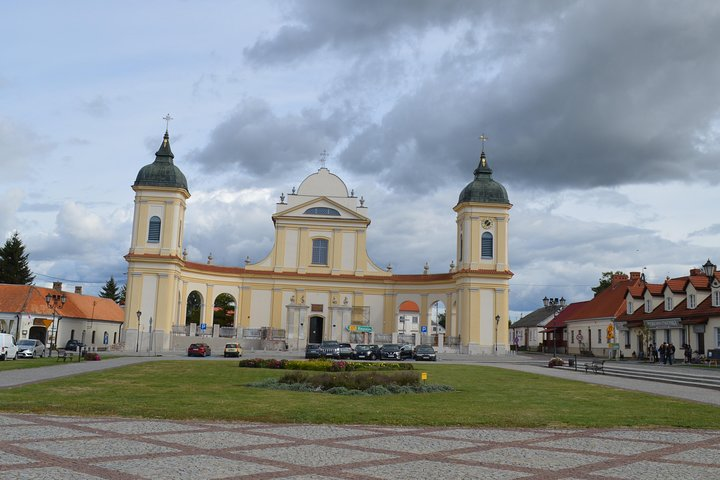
pixel 256 141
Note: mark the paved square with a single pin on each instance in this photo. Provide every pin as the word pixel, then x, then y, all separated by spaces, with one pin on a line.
pixel 12 421
pixel 655 470
pixel 488 434
pixel 11 459
pixel 658 436
pixel 134 427
pixel 526 457
pixel 97 448
pixel 196 467
pixel 436 471
pixel 708 456
pixel 32 432
pixel 315 432
pixel 601 445
pixel 409 443
pixel 45 473
pixel 215 440
pixel 316 455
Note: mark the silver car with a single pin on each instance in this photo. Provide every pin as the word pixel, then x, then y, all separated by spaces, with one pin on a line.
pixel 30 348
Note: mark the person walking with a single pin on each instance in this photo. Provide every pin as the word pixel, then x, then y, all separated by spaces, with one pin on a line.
pixel 662 352
pixel 670 353
pixel 688 353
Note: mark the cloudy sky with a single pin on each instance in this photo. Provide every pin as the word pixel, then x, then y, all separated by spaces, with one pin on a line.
pixel 603 121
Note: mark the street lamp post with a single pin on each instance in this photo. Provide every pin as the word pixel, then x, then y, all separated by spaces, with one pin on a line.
pixel 137 344
pixel 497 322
pixel 55 301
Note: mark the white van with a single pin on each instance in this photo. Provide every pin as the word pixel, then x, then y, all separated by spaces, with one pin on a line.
pixel 8 349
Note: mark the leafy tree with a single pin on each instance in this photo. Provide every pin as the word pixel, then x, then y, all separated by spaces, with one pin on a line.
pixel 224 310
pixel 110 290
pixel 441 319
pixel 194 301
pixel 605 281
pixel 14 267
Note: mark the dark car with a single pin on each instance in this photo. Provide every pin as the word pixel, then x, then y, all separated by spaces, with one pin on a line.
pixel 74 344
pixel 312 350
pixel 390 351
pixel 199 350
pixel 366 352
pixel 406 351
pixel 425 352
pixel 346 350
pixel 330 349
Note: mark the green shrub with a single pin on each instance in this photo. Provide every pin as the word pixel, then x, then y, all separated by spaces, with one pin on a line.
pixel 323 365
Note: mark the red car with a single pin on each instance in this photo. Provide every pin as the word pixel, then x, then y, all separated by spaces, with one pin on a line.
pixel 199 350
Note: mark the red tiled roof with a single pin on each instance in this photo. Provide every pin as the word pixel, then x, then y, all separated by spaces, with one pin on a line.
pixel 655 289
pixel 566 314
pixel 700 282
pixel 677 285
pixel 689 316
pixel 637 290
pixel 607 304
pixel 31 299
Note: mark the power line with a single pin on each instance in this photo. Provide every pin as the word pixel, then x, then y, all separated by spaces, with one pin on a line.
pixel 84 282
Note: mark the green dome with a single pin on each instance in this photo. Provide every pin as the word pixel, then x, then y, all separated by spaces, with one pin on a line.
pixel 483 189
pixel 162 172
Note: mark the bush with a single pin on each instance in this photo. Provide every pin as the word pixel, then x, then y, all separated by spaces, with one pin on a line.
pixel 322 365
pixel 556 362
pixel 92 356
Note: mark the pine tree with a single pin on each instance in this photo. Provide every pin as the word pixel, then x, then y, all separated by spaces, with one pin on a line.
pixel 14 267
pixel 123 292
pixel 110 290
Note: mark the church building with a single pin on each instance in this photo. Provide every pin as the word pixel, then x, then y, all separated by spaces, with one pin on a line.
pixel 318 281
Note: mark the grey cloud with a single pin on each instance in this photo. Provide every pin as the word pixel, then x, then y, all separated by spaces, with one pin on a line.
pixel 255 141
pixel 97 107
pixel 713 229
pixel 19 145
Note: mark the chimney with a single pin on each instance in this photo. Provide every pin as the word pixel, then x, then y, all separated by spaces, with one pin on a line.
pixel 78 289
pixel 635 275
pixel 618 278
pixel 57 286
pixel 696 272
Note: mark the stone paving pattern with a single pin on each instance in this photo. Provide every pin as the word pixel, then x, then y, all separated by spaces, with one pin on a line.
pixel 49 447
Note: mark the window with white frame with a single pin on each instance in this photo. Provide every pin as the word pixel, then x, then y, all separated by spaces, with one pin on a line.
pixel 668 303
pixel 716 298
pixel 486 245
pixel 648 306
pixel 599 335
pixel 627 338
pixel 319 251
pixel 629 307
pixel 692 301
pixel 154 230
pixel 717 337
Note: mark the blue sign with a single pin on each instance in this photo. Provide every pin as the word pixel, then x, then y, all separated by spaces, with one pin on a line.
pixel 423 329
pixel 203 326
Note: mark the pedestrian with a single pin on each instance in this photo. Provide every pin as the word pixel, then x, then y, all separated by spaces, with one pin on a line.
pixel 688 353
pixel 662 352
pixel 670 352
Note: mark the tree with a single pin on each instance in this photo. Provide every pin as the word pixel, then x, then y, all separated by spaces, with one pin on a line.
pixel 224 311
pixel 14 267
pixel 123 293
pixel 441 319
pixel 194 302
pixel 110 290
pixel 605 281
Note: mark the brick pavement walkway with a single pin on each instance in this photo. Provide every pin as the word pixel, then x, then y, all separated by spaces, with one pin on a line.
pixel 43 447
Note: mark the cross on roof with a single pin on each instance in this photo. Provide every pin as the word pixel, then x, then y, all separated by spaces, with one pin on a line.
pixel 323 158
pixel 483 138
pixel 167 119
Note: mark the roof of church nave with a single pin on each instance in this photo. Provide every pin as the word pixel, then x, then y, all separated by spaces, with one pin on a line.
pixel 323 184
pixel 162 172
pixel 483 189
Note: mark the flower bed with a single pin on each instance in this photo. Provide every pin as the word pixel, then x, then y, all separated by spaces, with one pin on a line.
pixel 323 365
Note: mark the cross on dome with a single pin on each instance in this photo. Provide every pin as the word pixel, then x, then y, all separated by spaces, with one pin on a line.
pixel 167 119
pixel 323 158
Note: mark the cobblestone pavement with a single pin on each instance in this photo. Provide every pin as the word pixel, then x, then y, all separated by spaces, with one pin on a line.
pixel 49 447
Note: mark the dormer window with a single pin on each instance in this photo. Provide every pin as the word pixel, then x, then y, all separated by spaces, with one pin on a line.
pixel 322 211
pixel 629 307
pixel 648 306
pixel 692 301
pixel 668 304
pixel 716 298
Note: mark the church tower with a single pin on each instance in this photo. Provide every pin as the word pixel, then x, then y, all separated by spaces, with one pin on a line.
pixel 483 272
pixel 155 256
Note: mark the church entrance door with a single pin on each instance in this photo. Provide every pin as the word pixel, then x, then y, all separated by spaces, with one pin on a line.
pixel 316 330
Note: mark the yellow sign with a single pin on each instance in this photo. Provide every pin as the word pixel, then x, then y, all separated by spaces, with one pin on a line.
pixel 423 376
pixel 610 331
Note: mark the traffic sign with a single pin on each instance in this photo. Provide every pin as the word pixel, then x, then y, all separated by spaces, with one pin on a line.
pixel 423 329
pixel 203 326
pixel 359 328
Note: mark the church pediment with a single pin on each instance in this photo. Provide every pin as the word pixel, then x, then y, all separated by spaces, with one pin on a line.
pixel 321 208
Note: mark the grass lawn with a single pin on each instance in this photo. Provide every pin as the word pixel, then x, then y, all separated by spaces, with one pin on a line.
pixel 28 363
pixel 484 396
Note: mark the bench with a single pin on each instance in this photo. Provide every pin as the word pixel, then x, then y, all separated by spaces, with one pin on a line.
pixel 65 355
pixel 595 366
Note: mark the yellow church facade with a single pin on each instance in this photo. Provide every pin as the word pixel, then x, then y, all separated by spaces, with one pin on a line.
pixel 318 282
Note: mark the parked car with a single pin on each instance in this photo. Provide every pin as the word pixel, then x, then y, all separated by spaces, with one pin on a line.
pixel 346 350
pixel 406 351
pixel 199 350
pixel 390 351
pixel 28 348
pixel 366 352
pixel 232 350
pixel 8 349
pixel 330 349
pixel 73 345
pixel 425 352
pixel 312 350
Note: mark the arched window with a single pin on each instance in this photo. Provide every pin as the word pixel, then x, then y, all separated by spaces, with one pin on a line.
pixel 486 248
pixel 460 253
pixel 92 341
pixel 320 251
pixel 154 230
pixel 322 211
